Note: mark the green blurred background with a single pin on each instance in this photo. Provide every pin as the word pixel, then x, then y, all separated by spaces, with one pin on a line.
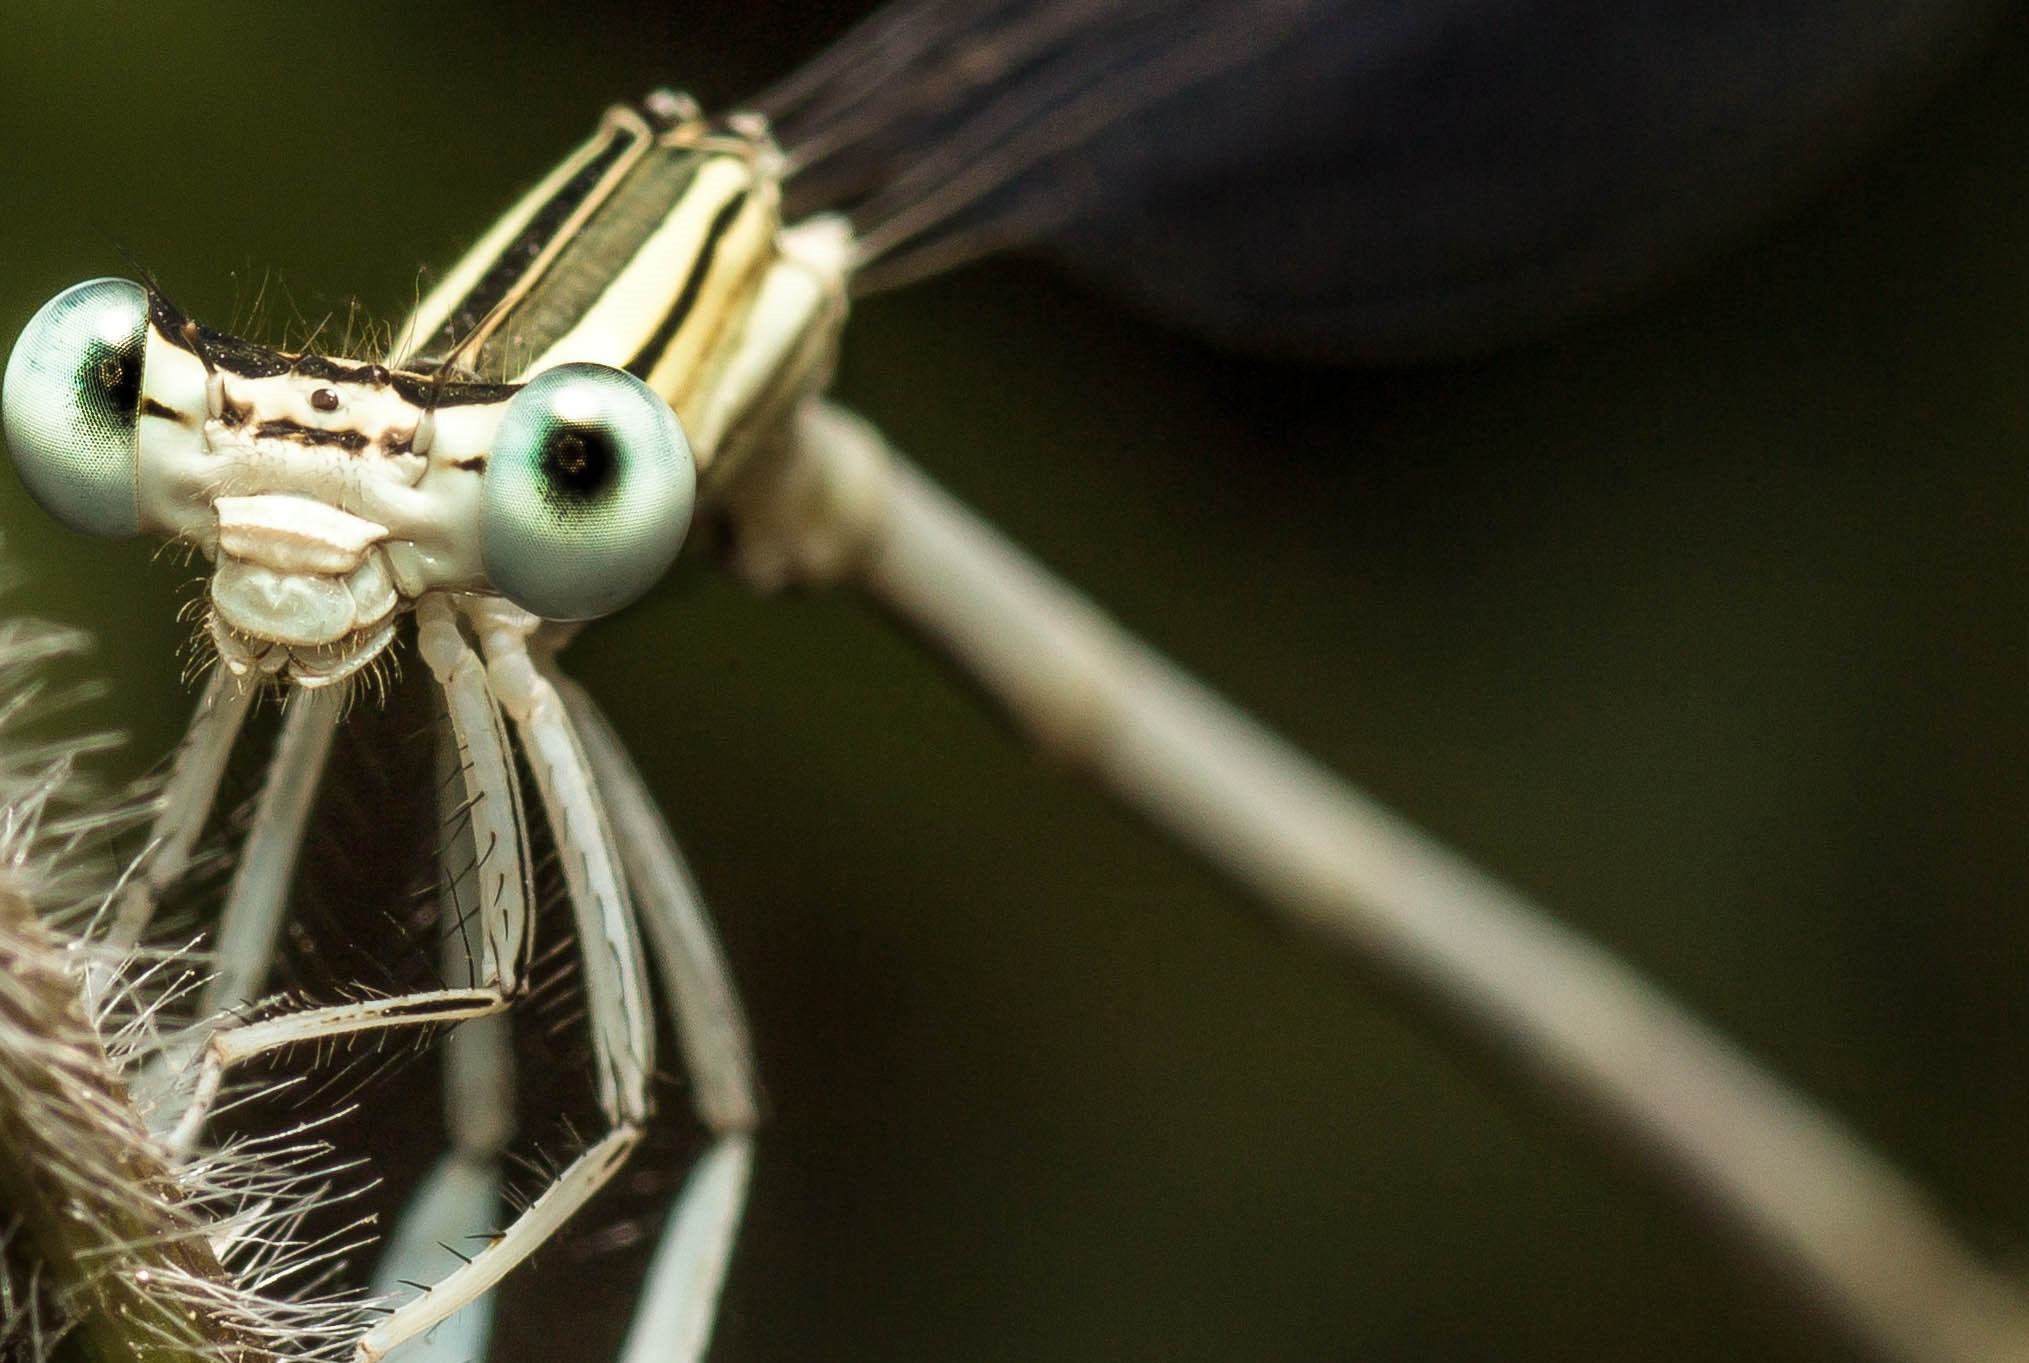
pixel 1705 623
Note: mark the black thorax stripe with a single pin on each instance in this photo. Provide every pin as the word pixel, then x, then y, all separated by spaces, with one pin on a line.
pixel 535 285
pixel 517 264
pixel 686 298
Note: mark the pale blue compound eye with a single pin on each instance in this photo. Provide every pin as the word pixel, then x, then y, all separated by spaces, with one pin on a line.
pixel 71 406
pixel 587 493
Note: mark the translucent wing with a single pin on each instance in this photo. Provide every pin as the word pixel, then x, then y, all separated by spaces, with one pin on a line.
pixel 937 123
pixel 1349 177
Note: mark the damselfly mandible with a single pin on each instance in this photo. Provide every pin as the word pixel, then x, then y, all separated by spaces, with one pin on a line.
pixel 664 65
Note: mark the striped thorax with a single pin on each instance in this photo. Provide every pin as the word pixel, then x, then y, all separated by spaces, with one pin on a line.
pixel 639 319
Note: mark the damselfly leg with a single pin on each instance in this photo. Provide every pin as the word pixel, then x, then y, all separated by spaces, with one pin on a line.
pixel 512 294
pixel 508 485
pixel 488 953
pixel 186 802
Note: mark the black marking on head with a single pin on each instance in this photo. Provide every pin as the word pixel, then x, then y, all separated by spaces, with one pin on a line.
pixel 429 392
pixel 217 350
pixel 243 358
pixel 162 411
pixel 476 464
pixel 165 316
pixel 338 371
pixel 169 322
pixel 352 442
pixel 693 285
pixel 316 367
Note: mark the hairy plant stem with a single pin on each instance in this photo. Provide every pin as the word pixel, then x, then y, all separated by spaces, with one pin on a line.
pixel 102 1231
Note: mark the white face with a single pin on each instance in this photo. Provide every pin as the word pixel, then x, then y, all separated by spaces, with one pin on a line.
pixel 326 500
pixel 330 495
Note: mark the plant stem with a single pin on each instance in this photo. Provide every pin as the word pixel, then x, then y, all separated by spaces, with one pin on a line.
pixel 129 1271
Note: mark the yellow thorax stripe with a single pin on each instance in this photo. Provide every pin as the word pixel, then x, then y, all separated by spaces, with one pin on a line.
pixel 640 251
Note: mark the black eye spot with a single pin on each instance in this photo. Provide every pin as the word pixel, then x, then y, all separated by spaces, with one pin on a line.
pixel 115 377
pixel 578 463
pixel 324 399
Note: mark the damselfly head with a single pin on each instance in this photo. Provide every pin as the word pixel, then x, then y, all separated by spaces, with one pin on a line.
pixel 330 495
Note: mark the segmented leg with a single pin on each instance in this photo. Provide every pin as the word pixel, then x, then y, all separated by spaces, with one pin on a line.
pixel 186 803
pixel 499 917
pixel 459 1205
pixel 614 973
pixel 258 899
pixel 710 1024
pixel 570 752
pixel 499 922
pixel 243 947
pixel 457 1208
pixel 615 982
pixel 680 1298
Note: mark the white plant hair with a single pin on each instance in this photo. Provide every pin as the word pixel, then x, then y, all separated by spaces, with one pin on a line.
pixel 103 1240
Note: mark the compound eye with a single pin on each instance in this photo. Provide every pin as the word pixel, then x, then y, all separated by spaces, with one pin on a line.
pixel 587 493
pixel 71 406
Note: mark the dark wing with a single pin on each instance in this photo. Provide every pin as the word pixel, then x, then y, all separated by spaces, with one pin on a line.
pixel 1350 177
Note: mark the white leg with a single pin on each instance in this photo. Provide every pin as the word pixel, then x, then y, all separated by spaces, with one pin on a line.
pixel 681 1296
pixel 710 1024
pixel 571 1189
pixel 615 978
pixel 186 803
pixel 492 836
pixel 255 904
pixel 502 897
pixel 235 1045
pixel 251 922
pixel 478 1055
pixel 614 974
pixel 616 984
pixel 459 1205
